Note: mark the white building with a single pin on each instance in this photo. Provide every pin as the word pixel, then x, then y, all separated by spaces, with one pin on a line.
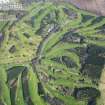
pixel 4 1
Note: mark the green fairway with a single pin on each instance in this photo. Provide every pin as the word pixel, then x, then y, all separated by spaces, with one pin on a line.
pixel 50 56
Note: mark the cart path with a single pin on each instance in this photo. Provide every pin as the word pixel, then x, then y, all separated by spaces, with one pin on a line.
pixel 102 86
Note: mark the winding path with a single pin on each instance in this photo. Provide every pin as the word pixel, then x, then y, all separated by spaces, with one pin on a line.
pixel 102 87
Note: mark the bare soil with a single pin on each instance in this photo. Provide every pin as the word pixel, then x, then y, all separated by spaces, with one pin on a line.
pixel 95 6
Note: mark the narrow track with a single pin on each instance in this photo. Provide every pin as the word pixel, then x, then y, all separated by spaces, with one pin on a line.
pixel 102 87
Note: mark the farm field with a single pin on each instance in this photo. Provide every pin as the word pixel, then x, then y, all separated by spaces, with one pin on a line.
pixel 53 55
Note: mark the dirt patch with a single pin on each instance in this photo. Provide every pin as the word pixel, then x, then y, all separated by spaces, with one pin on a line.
pixel 95 6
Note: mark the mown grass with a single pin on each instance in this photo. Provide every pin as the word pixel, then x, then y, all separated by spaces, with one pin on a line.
pixel 45 49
